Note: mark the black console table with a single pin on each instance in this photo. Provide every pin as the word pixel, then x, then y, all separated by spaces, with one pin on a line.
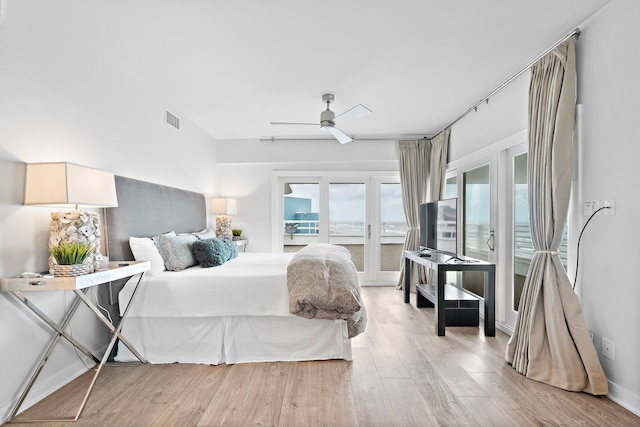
pixel 442 263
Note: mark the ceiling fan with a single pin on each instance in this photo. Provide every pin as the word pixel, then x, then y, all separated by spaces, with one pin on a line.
pixel 328 119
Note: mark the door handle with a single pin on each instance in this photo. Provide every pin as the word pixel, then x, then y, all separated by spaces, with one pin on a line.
pixel 491 240
pixel 369 231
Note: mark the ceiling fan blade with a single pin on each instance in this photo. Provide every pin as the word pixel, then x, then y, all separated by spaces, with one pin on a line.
pixel 342 137
pixel 357 111
pixel 293 123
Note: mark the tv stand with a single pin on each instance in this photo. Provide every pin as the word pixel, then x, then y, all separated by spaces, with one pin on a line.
pixel 460 308
pixel 436 294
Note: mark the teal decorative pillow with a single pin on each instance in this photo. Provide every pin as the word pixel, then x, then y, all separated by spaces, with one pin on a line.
pixel 211 252
pixel 178 250
pixel 156 241
pixel 232 248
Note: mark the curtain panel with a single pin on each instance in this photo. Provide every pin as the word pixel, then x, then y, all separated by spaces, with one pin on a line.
pixel 423 164
pixel 551 343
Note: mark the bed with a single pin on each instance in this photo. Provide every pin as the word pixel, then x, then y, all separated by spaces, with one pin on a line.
pixel 236 312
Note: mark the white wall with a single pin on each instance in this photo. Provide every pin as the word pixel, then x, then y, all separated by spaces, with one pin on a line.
pixel 62 101
pixel 608 89
pixel 245 167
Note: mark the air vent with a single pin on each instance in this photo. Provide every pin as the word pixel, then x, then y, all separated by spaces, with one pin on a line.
pixel 171 119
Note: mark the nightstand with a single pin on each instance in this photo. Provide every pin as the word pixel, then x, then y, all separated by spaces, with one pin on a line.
pixel 79 285
pixel 242 244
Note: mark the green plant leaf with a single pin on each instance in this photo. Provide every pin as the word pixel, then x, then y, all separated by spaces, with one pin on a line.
pixel 71 253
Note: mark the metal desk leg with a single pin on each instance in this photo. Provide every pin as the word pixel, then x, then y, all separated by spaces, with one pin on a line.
pixel 114 331
pixel 440 307
pixel 60 333
pixel 490 303
pixel 80 297
pixel 407 279
pixel 115 335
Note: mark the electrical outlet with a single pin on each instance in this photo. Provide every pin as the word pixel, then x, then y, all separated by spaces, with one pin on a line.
pixel 590 206
pixel 607 348
pixel 611 204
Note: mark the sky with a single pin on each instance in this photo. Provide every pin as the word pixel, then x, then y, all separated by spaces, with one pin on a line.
pixel 347 201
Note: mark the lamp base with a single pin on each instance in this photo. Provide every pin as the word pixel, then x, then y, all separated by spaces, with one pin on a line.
pixel 76 226
pixel 223 226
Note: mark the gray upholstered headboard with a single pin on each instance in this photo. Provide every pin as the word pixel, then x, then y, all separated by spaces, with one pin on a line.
pixel 146 209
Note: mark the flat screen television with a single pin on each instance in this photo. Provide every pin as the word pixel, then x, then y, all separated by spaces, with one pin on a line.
pixel 439 226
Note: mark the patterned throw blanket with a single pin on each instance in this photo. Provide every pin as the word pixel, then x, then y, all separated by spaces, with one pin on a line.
pixel 323 284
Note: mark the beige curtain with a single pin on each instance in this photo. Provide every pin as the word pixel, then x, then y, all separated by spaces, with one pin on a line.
pixel 439 149
pixel 423 164
pixel 550 342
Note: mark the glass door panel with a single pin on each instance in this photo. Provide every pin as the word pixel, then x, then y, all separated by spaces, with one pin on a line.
pixel 451 187
pixel 301 215
pixel 522 246
pixel 392 227
pixel 347 219
pixel 476 223
pixel 523 250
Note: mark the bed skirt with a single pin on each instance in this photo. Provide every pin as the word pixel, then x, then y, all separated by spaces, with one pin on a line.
pixel 234 339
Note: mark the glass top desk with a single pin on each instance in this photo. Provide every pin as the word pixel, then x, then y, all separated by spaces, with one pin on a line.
pixel 443 263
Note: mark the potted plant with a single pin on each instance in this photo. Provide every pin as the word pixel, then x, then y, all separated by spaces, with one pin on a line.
pixel 236 233
pixel 70 258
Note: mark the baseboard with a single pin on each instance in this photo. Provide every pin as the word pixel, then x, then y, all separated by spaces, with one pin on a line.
pixel 625 398
pixel 504 328
pixel 372 284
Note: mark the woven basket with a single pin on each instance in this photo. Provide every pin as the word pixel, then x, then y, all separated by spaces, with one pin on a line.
pixel 71 270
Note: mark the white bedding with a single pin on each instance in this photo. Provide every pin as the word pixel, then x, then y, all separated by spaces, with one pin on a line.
pixel 234 313
pixel 253 284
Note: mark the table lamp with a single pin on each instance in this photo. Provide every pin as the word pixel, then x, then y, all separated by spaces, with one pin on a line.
pixel 223 207
pixel 72 187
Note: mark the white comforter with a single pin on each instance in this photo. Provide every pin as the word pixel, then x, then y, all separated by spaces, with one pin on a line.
pixel 253 284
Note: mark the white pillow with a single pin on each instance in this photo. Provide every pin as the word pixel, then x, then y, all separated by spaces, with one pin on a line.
pixel 207 233
pixel 144 249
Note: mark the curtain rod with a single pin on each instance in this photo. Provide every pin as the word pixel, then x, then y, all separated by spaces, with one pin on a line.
pixel 574 33
pixel 354 137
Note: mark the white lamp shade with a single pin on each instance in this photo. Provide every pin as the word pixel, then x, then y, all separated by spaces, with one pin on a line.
pixel 65 184
pixel 224 206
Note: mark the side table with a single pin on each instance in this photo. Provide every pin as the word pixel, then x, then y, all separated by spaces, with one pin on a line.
pixel 15 287
pixel 242 244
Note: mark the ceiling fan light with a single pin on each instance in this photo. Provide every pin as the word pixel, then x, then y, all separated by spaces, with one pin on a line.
pixel 327 116
pixel 326 125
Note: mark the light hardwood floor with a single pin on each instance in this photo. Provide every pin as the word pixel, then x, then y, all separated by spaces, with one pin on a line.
pixel 402 374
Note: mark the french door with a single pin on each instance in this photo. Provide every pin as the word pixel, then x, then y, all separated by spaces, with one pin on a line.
pixel 360 211
pixel 519 246
pixel 518 257
pixel 475 185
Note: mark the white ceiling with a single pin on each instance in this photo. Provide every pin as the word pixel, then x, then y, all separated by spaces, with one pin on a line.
pixel 234 66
